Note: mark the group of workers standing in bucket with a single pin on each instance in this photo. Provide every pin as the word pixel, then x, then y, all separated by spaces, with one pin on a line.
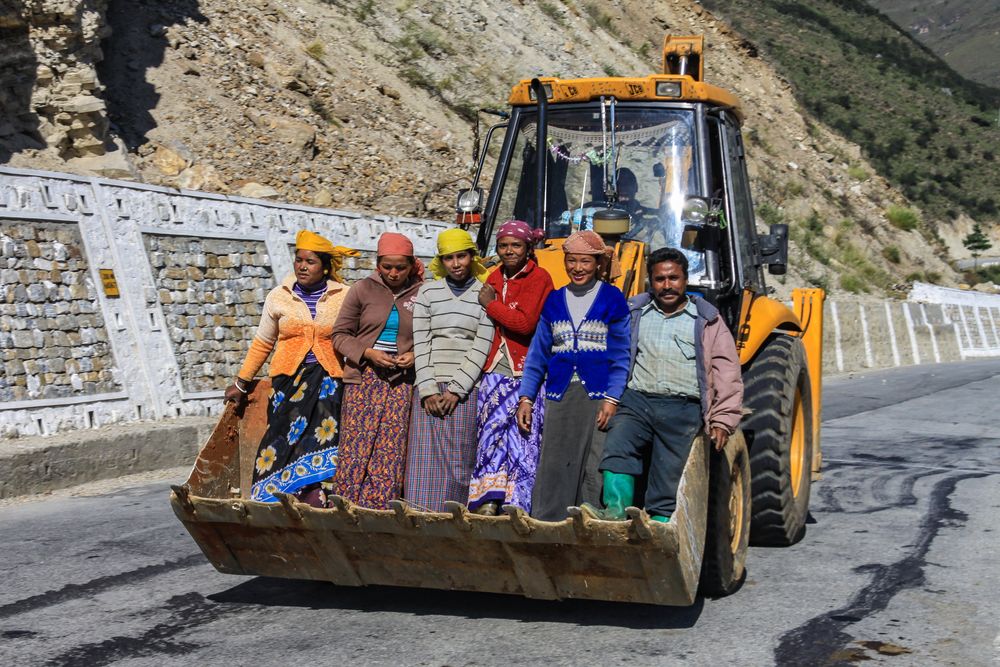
pixel 489 388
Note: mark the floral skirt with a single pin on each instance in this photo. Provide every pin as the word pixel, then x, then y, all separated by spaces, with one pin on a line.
pixel 506 459
pixel 375 421
pixel 299 448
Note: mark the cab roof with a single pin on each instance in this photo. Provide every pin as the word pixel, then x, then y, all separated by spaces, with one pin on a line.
pixel 652 88
pixel 682 79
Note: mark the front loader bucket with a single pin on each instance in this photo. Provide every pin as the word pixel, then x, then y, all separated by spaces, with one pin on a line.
pixel 628 561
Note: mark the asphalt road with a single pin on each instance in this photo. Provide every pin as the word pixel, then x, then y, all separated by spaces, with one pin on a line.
pixel 899 566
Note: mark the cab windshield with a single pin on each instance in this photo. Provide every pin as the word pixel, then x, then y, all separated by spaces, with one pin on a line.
pixel 656 165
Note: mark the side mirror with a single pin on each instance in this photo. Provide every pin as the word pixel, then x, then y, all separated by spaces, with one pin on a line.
pixel 701 218
pixel 774 250
pixel 691 238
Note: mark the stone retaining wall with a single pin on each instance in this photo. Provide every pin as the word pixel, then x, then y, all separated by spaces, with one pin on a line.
pixel 53 340
pixel 191 268
pixel 211 293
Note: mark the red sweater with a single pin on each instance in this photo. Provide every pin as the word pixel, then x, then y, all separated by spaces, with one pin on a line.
pixel 516 316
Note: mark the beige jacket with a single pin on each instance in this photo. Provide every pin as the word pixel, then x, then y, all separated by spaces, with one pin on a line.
pixel 288 325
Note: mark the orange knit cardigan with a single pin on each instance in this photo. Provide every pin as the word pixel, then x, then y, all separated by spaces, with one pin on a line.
pixel 287 322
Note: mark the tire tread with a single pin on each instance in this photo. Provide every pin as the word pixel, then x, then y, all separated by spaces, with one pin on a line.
pixel 769 391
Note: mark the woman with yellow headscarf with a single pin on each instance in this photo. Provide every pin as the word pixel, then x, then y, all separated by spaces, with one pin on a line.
pixel 452 335
pixel 298 453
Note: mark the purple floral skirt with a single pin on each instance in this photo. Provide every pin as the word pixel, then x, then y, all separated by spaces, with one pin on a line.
pixel 506 458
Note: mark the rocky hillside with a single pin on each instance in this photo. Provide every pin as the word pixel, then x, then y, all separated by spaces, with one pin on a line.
pixel 370 105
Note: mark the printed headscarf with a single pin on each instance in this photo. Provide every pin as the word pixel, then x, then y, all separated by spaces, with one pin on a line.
pixel 588 242
pixel 391 243
pixel 519 229
pixel 455 240
pixel 306 240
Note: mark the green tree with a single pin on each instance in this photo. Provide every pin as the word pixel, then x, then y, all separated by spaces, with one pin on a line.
pixel 976 242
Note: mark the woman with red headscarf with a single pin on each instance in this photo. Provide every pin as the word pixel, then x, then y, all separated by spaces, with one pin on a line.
pixel 374 332
pixel 513 296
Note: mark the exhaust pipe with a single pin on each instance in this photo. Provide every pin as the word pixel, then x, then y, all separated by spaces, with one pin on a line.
pixel 541 144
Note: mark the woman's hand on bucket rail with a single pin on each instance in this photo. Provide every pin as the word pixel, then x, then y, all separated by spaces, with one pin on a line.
pixel 237 392
pixel 233 395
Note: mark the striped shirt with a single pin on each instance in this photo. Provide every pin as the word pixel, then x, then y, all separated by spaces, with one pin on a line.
pixel 665 355
pixel 311 299
pixel 452 336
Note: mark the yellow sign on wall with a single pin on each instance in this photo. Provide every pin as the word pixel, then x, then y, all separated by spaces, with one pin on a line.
pixel 110 283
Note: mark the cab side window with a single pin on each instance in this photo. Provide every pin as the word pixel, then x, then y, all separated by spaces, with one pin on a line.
pixel 741 214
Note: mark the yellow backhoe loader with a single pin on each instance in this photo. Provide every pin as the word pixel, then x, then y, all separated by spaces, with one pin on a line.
pixel 647 162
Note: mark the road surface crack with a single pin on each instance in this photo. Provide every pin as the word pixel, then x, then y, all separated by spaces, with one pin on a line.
pixel 819 640
pixel 186 611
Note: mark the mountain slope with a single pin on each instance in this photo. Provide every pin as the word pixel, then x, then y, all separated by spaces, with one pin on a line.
pixel 925 128
pixel 966 33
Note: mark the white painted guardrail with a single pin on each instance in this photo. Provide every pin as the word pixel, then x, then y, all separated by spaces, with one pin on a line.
pixel 936 324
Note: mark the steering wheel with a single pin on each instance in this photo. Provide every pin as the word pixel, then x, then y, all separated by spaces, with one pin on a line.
pixel 644 223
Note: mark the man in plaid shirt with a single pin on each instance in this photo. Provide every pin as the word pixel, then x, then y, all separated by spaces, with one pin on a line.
pixel 684 376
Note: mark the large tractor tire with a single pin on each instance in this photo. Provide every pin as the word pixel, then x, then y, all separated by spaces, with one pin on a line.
pixel 728 533
pixel 779 430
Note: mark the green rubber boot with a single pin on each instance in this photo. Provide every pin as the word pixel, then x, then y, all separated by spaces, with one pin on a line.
pixel 619 492
pixel 661 519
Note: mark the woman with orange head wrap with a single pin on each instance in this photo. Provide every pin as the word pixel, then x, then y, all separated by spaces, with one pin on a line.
pixel 374 332
pixel 298 453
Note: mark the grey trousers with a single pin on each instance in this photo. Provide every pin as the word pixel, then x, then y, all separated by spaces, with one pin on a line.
pixel 571 451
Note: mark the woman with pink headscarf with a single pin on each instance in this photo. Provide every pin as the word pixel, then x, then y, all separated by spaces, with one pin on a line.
pixel 374 332
pixel 513 296
pixel 581 353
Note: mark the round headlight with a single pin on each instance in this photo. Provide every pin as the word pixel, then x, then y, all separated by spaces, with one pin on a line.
pixel 469 201
pixel 695 210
